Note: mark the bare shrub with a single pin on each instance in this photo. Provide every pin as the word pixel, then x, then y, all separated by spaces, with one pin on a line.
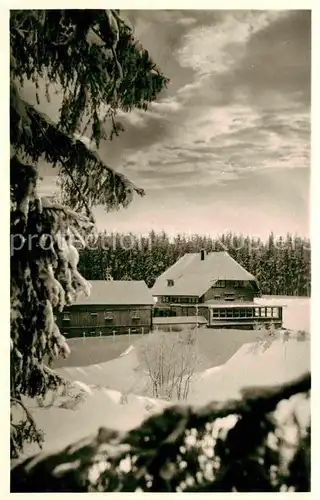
pixel 67 396
pixel 171 360
pixel 268 333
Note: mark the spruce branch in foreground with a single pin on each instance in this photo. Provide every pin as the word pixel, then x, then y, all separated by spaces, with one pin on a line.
pixel 251 444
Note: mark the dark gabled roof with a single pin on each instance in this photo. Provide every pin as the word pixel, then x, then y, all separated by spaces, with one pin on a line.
pixel 193 276
pixel 111 293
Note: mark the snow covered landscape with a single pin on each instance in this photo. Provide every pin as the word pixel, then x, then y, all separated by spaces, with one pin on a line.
pixel 116 388
pixel 163 348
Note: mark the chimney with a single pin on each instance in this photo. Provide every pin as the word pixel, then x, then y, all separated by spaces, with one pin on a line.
pixel 203 254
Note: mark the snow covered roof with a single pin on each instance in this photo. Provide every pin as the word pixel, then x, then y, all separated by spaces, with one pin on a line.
pixel 109 293
pixel 193 276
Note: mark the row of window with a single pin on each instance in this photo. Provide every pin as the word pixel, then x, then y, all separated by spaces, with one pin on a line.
pixel 256 312
pixel 194 300
pixel 108 315
pixel 225 283
pixel 179 300
pixel 115 331
pixel 217 284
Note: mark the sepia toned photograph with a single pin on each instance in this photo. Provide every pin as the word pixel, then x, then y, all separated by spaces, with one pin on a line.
pixel 160 251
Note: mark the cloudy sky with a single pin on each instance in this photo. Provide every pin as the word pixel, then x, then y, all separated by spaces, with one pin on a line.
pixel 226 147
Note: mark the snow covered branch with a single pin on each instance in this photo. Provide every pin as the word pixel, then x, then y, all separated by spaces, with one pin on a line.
pixel 258 443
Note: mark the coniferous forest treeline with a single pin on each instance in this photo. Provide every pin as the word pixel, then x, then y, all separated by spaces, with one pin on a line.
pixel 282 265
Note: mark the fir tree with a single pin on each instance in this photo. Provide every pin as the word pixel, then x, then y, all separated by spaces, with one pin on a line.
pixel 92 56
pixel 282 267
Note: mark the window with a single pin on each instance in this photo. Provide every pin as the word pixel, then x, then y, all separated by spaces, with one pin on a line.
pixel 220 284
pixel 136 315
pixel 66 317
pixel 236 313
pixel 217 297
pixel 238 284
pixel 269 312
pixel 257 312
pixel 108 315
pixel 275 312
pixel 223 313
pixel 94 318
pixel 249 313
pixel 170 282
pixel 229 296
pixel 242 313
pixel 215 313
pixel 229 313
pixel 263 312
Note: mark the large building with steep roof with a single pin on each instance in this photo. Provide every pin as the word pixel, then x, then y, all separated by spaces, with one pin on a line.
pixel 201 277
pixel 213 286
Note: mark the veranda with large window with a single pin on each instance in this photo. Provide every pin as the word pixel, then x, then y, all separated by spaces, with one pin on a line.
pixel 243 314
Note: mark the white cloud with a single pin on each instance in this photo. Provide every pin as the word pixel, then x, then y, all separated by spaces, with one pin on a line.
pixel 156 110
pixel 216 145
pixel 214 49
pixel 169 105
pixel 177 166
pixel 216 121
pixel 136 117
pixel 186 21
pixel 188 89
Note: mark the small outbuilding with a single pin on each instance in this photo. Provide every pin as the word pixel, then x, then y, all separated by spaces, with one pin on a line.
pixel 119 307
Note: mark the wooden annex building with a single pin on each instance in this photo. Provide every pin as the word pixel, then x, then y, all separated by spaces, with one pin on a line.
pixel 215 287
pixel 112 307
